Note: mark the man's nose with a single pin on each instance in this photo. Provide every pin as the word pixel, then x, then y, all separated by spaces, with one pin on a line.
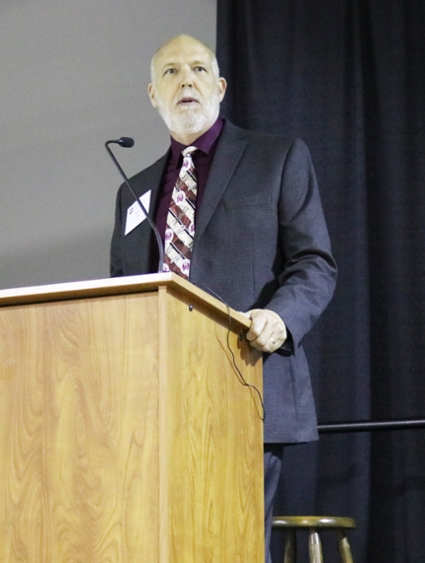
pixel 186 78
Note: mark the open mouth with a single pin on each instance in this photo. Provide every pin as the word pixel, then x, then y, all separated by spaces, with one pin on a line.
pixel 187 101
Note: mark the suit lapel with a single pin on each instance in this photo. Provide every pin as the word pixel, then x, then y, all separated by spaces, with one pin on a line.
pixel 148 179
pixel 229 151
pixel 152 181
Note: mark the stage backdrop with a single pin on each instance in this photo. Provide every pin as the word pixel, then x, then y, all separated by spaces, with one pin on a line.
pixel 347 76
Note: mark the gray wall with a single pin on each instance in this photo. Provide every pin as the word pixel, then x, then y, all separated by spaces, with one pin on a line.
pixel 72 75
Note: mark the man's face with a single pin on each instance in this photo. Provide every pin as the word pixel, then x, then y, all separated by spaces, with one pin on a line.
pixel 185 89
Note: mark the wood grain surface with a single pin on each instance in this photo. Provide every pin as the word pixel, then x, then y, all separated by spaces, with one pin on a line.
pixel 125 434
pixel 215 482
pixel 78 396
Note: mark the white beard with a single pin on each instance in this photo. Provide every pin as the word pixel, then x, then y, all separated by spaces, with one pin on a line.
pixel 192 120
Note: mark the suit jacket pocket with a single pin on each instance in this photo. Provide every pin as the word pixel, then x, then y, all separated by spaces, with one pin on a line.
pixel 255 200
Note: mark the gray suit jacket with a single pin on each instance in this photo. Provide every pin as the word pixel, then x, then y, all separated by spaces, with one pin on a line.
pixel 261 242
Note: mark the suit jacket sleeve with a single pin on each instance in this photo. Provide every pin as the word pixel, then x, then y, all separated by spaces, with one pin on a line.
pixel 307 279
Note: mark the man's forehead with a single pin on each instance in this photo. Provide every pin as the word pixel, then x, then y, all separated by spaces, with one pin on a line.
pixel 183 50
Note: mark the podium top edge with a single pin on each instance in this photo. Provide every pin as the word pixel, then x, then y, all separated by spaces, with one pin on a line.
pixel 114 286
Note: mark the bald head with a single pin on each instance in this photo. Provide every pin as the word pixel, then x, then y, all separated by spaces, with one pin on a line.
pixel 183 39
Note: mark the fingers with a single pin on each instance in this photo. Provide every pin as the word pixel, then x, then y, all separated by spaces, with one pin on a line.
pixel 267 332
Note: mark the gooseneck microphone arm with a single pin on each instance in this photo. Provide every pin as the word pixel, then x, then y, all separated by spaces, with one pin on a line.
pixel 128 142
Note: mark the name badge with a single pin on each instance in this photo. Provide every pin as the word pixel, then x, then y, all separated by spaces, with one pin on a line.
pixel 135 215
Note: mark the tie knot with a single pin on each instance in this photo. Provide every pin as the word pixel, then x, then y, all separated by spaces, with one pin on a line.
pixel 188 151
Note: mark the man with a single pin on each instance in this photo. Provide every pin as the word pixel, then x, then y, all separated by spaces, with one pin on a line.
pixel 250 229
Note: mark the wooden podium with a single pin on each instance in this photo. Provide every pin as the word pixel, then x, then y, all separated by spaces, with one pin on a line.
pixel 126 433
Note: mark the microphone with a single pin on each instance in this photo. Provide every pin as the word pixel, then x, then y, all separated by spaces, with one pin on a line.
pixel 128 142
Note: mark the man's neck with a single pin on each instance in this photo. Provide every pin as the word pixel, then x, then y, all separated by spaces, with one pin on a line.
pixel 204 142
pixel 187 138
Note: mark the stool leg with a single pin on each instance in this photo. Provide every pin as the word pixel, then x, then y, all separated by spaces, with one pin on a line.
pixel 344 547
pixel 315 547
pixel 290 547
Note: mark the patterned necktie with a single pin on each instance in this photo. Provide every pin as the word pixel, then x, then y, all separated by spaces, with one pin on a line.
pixel 180 228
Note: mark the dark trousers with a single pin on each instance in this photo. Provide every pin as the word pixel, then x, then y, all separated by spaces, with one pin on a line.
pixel 273 454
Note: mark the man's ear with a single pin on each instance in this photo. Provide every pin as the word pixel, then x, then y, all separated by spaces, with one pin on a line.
pixel 152 94
pixel 222 86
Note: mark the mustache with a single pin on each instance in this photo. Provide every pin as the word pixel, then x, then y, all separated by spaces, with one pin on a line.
pixel 187 93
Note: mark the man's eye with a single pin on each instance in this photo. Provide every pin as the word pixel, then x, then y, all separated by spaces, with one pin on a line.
pixel 170 71
pixel 200 69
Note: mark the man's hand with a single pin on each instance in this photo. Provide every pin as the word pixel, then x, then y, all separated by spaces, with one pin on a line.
pixel 267 332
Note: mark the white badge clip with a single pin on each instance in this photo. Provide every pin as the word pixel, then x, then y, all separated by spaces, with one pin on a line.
pixel 135 215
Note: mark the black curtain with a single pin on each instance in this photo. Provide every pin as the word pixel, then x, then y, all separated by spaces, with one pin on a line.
pixel 348 77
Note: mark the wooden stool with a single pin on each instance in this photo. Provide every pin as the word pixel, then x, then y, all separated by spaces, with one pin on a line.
pixel 313 524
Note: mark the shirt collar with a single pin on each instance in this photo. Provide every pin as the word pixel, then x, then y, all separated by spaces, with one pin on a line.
pixel 204 143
